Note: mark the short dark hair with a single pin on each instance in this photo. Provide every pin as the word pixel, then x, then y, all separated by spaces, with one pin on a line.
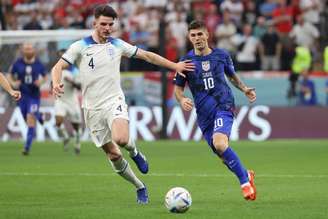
pixel 196 24
pixel 105 10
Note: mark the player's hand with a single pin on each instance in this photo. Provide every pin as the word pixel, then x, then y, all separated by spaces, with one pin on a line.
pixel 250 94
pixel 58 90
pixel 184 66
pixel 15 94
pixel 186 104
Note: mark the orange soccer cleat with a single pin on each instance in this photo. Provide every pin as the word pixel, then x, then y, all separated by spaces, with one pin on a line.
pixel 249 189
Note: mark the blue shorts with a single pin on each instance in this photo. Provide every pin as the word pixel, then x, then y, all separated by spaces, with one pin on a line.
pixel 29 105
pixel 222 124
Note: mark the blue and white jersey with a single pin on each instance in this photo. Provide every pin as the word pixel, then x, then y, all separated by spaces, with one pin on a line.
pixel 99 67
pixel 28 74
pixel 208 85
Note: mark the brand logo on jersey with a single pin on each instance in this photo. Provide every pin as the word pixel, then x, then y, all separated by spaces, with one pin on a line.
pixel 28 69
pixel 89 54
pixel 206 65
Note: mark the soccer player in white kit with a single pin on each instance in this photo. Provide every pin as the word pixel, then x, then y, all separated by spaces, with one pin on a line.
pixel 68 106
pixel 98 58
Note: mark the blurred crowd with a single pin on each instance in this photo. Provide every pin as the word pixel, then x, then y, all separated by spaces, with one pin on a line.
pixel 259 34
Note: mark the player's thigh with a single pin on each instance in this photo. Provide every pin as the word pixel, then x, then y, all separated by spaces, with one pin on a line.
pixel 222 129
pixel 99 130
pixel 118 121
pixel 120 131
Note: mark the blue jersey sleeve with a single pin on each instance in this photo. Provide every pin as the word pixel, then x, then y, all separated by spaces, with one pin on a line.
pixel 179 80
pixel 229 68
pixel 13 70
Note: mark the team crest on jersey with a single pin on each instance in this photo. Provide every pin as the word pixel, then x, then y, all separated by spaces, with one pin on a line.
pixel 206 65
pixel 111 52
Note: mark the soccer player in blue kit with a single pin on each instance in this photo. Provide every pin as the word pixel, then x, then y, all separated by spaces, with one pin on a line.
pixel 28 74
pixel 214 100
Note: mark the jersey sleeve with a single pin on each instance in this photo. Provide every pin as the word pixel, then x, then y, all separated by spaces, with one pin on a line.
pixel 73 52
pixel 13 70
pixel 128 50
pixel 229 68
pixel 179 80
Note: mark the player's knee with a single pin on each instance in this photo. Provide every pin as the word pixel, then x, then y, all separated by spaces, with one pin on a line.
pixel 220 145
pixel 114 156
pixel 121 141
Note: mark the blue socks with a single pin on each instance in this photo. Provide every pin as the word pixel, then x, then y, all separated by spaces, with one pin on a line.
pixel 29 138
pixel 231 160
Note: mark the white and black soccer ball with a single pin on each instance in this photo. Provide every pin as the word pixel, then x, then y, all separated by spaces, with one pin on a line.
pixel 178 200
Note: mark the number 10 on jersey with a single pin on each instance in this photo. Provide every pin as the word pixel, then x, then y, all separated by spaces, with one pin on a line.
pixel 208 83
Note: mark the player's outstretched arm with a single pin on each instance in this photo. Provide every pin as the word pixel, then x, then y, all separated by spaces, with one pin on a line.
pixel 5 84
pixel 155 59
pixel 185 102
pixel 56 75
pixel 248 91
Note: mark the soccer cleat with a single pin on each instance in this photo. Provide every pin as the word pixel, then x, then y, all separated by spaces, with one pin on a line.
pixel 25 152
pixel 249 189
pixel 141 162
pixel 142 195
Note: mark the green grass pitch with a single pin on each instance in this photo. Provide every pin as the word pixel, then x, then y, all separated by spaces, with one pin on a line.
pixel 291 179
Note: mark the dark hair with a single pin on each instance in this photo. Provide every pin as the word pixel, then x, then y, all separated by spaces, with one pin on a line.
pixel 196 24
pixel 105 10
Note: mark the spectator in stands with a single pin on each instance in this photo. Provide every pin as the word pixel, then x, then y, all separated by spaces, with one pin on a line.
pixel 236 9
pixel 247 48
pixel 34 23
pixel 260 27
pixel 270 50
pixel 283 18
pixel 301 65
pixel 171 47
pixel 307 95
pixel 179 29
pixel 310 10
pixel 224 33
pixel 267 7
pixel 305 34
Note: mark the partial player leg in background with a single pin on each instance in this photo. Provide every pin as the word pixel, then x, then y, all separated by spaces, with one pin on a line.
pixel 77 135
pixel 122 167
pixel 62 131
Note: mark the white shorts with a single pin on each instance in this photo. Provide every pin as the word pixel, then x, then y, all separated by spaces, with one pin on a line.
pixel 72 112
pixel 99 122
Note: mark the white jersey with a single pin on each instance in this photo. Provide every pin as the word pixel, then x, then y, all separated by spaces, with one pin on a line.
pixel 70 95
pixel 99 67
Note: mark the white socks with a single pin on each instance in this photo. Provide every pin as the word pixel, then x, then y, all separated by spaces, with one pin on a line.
pixel 131 147
pixel 122 167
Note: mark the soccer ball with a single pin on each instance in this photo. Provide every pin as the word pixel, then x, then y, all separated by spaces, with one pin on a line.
pixel 178 200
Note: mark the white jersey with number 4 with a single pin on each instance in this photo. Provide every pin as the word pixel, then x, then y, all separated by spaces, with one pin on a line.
pixel 99 67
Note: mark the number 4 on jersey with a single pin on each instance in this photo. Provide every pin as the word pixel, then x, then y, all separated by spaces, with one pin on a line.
pixel 91 64
pixel 119 108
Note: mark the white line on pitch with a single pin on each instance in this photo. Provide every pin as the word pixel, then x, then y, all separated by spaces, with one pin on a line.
pixel 163 175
